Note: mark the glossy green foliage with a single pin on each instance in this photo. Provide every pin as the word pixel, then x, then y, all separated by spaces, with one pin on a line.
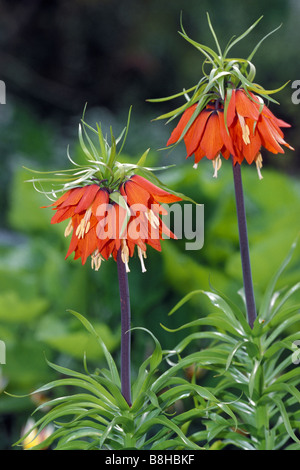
pixel 33 318
pixel 272 227
pixel 255 371
pixel 251 402
pixel 94 415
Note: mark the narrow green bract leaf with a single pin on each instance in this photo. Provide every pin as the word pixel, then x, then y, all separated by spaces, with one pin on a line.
pixel 242 36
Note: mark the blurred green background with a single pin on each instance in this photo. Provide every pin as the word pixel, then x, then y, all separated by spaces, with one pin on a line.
pixel 56 56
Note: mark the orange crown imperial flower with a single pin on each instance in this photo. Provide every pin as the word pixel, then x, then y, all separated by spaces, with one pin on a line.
pixel 108 206
pixel 100 227
pixel 227 115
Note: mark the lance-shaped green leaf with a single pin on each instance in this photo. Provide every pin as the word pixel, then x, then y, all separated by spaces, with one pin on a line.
pixel 109 358
pixel 265 309
pixel 242 36
pixel 168 98
pixel 261 41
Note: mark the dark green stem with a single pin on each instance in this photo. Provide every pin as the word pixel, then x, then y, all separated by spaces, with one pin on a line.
pixel 244 245
pixel 125 329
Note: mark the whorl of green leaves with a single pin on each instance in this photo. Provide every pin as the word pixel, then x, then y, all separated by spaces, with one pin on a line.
pixel 257 370
pixel 95 416
pixel 251 404
pixel 223 75
pixel 101 165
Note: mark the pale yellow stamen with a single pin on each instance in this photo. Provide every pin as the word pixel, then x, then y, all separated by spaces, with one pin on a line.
pixel 245 129
pixel 80 229
pixel 195 166
pixel 258 161
pixel 69 229
pixel 87 228
pixel 217 163
pixel 96 260
pixel 142 254
pixel 84 225
pixel 125 255
pixel 153 219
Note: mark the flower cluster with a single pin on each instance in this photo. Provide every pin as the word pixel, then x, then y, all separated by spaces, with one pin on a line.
pixel 248 126
pixel 226 114
pixel 110 208
pixel 100 227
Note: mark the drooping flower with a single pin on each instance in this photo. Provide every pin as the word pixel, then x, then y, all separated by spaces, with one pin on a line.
pixel 248 126
pixel 107 206
pixel 207 135
pixel 100 227
pixel 145 225
pixel 80 205
pixel 251 126
pixel 226 114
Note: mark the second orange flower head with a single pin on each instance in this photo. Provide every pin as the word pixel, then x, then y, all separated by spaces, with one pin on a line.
pixel 227 115
pixel 250 126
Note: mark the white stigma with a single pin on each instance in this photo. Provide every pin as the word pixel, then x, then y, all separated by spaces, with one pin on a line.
pixel 217 163
pixel 125 255
pixel 258 162
pixel 142 255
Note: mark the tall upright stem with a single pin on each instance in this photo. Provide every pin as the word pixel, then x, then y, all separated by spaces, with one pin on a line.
pixel 244 245
pixel 125 329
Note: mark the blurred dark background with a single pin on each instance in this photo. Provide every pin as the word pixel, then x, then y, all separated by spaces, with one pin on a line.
pixel 55 57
